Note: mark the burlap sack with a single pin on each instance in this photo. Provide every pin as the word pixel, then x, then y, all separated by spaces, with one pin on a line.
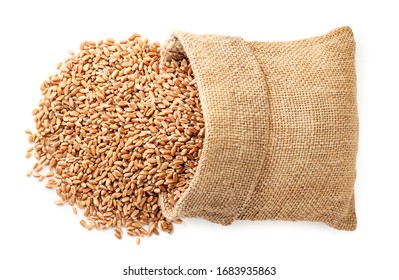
pixel 281 129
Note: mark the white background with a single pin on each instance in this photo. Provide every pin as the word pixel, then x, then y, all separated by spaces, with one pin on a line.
pixel 42 241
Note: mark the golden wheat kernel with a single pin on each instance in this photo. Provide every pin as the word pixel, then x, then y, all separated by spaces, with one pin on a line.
pixel 83 223
pixel 59 202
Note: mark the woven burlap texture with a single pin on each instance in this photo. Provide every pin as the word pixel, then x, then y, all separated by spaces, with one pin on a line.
pixel 281 129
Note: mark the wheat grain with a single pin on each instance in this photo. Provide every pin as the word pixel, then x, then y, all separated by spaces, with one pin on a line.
pixel 83 223
pixel 59 202
pixel 116 129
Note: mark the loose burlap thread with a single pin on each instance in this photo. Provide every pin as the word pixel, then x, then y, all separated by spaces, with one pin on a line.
pixel 281 129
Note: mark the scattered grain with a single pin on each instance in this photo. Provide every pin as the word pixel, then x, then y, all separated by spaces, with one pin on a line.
pixel 83 223
pixel 59 202
pixel 116 129
pixel 90 226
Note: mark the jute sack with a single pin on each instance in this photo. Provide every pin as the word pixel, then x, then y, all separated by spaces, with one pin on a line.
pixel 281 129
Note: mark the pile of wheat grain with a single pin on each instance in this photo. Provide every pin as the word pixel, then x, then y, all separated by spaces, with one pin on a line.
pixel 115 129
